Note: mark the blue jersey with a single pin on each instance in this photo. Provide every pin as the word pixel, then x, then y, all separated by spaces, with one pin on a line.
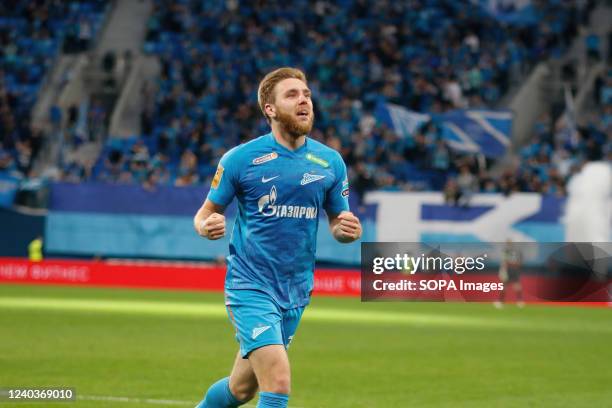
pixel 280 194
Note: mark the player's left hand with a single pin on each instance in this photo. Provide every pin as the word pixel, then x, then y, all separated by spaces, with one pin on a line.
pixel 348 229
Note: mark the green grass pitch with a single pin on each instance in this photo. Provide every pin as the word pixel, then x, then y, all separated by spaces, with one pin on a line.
pixel 135 348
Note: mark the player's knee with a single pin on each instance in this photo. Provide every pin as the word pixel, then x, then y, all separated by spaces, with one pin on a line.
pixel 244 392
pixel 245 395
pixel 279 383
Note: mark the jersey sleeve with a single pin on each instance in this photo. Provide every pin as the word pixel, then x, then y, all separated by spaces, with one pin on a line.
pixel 225 182
pixel 336 199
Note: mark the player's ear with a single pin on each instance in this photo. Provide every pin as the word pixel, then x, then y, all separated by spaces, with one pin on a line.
pixel 270 110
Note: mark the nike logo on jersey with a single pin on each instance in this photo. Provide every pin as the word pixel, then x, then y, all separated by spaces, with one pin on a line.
pixel 265 180
pixel 310 178
pixel 258 330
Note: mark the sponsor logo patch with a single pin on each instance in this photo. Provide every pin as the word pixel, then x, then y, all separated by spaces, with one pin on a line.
pixel 265 158
pixel 267 206
pixel 318 160
pixel 218 175
pixel 345 192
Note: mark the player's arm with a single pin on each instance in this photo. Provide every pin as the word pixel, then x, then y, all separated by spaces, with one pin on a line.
pixel 209 221
pixel 345 227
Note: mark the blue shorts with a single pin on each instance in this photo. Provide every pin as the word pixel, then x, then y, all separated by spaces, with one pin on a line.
pixel 259 321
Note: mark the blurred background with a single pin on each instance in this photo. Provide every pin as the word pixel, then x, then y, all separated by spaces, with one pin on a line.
pixel 460 121
pixel 457 120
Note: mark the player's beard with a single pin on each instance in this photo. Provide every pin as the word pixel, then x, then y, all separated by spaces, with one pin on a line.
pixel 292 125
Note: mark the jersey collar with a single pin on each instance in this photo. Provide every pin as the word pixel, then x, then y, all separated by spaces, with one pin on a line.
pixel 299 151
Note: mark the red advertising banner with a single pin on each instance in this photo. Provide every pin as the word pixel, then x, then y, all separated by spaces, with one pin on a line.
pixel 151 275
pixel 198 276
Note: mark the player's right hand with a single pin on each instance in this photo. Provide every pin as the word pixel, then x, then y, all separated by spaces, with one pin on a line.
pixel 213 227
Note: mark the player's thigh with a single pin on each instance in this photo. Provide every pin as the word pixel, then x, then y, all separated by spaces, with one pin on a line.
pixel 256 318
pixel 243 382
pixel 271 366
pixel 291 321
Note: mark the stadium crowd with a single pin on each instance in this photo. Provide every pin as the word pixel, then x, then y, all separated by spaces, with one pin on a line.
pixel 31 35
pixel 557 151
pixel 430 56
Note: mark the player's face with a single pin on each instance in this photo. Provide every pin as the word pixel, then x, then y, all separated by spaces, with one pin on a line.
pixel 293 106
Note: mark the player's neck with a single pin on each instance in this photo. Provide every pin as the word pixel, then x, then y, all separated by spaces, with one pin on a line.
pixel 288 140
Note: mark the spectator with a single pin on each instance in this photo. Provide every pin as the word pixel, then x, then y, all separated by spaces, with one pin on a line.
pixel 451 192
pixel 467 185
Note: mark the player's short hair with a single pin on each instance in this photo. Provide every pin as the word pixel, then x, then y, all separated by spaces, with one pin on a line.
pixel 265 92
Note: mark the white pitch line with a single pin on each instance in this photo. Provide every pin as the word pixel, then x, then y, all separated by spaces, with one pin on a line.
pixel 133 400
pixel 151 401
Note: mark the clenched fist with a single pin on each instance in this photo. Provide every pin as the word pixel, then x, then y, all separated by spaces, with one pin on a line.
pixel 347 227
pixel 213 227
